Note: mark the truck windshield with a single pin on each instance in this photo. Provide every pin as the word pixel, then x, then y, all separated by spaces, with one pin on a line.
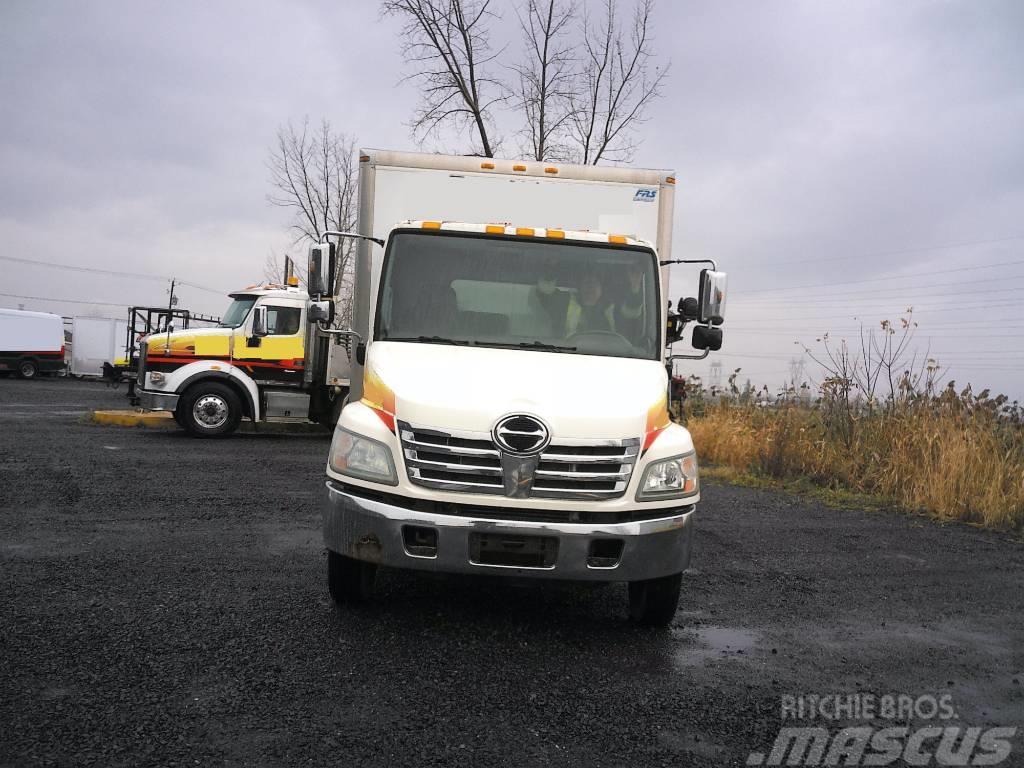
pixel 237 311
pixel 546 295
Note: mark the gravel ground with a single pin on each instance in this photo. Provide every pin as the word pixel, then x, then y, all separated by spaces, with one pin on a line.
pixel 164 603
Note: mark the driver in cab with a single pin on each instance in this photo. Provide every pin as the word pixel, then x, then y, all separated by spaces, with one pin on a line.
pixel 588 310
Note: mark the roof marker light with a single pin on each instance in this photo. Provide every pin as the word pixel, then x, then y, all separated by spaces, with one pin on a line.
pixel 557 234
pixel 364 158
pixel 487 166
pixel 431 225
pixel 495 229
pixel 518 167
pixel 670 180
pixel 617 239
pixel 550 169
pixel 525 231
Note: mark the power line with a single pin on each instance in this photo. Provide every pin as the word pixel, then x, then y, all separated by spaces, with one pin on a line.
pixel 905 251
pixel 855 314
pixel 65 301
pixel 799 323
pixel 858 293
pixel 111 272
pixel 888 277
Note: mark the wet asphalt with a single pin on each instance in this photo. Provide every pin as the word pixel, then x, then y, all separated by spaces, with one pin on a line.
pixel 164 603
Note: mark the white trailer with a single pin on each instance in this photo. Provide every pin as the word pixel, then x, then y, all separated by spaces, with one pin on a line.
pixel 95 341
pixel 31 343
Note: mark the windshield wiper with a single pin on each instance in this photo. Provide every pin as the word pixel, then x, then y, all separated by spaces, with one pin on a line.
pixel 530 345
pixel 429 340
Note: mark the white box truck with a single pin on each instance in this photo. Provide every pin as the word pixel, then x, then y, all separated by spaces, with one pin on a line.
pixel 31 343
pixel 95 341
pixel 508 406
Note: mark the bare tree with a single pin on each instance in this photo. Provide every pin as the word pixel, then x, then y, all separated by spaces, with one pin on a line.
pixel 313 174
pixel 581 95
pixel 448 42
pixel 617 82
pixel 546 77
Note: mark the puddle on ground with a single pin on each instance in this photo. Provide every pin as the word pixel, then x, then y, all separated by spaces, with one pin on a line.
pixel 711 643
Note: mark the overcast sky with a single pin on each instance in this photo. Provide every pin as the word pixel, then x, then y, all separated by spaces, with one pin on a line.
pixel 819 146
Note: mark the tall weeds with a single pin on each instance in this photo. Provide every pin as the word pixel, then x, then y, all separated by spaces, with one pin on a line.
pixel 954 455
pixel 954 462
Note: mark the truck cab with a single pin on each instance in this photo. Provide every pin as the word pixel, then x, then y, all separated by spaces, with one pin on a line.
pixel 252 365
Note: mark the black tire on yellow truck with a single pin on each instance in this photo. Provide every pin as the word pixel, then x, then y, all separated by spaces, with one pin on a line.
pixel 209 409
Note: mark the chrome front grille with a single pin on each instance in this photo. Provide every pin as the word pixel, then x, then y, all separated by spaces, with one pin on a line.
pixel 469 462
pixel 140 371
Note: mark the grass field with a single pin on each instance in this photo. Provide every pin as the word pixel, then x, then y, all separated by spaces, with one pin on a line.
pixel 955 456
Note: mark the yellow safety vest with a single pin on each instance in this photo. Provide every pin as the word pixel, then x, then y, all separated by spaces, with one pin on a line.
pixel 574 314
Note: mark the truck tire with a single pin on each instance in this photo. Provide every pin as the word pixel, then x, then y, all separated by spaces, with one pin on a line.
pixel 653 602
pixel 28 369
pixel 209 409
pixel 348 580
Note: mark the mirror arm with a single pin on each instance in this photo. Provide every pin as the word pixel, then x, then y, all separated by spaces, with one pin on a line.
pixel 336 233
pixel 338 332
pixel 714 266
pixel 690 357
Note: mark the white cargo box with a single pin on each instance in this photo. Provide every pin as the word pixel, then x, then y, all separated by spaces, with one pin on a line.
pixel 22 331
pixel 95 341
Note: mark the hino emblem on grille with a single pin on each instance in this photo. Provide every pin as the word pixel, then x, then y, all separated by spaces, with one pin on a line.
pixel 520 438
pixel 521 435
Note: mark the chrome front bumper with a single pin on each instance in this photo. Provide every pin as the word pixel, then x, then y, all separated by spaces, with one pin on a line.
pixel 157 401
pixel 371 529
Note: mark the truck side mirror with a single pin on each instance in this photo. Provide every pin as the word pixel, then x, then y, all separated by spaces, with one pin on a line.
pixel 711 299
pixel 318 312
pixel 259 322
pixel 705 337
pixel 320 257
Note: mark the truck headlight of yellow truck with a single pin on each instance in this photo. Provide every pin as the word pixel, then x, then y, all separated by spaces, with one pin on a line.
pixel 670 478
pixel 361 457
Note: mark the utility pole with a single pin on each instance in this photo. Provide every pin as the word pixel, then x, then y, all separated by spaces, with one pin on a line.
pixel 716 375
pixel 796 372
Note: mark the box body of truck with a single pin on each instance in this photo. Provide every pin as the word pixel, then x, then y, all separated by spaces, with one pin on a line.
pixel 490 429
pixel 95 341
pixel 31 343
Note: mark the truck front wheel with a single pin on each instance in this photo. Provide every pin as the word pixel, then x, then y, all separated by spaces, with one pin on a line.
pixel 209 409
pixel 348 580
pixel 653 602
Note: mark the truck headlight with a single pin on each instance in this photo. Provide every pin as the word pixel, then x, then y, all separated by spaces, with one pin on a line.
pixel 361 457
pixel 670 478
pixel 156 377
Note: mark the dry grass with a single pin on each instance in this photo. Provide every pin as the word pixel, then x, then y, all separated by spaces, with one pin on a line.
pixel 956 457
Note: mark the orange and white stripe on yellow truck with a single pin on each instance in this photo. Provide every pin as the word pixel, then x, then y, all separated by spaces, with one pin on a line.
pixel 276 357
